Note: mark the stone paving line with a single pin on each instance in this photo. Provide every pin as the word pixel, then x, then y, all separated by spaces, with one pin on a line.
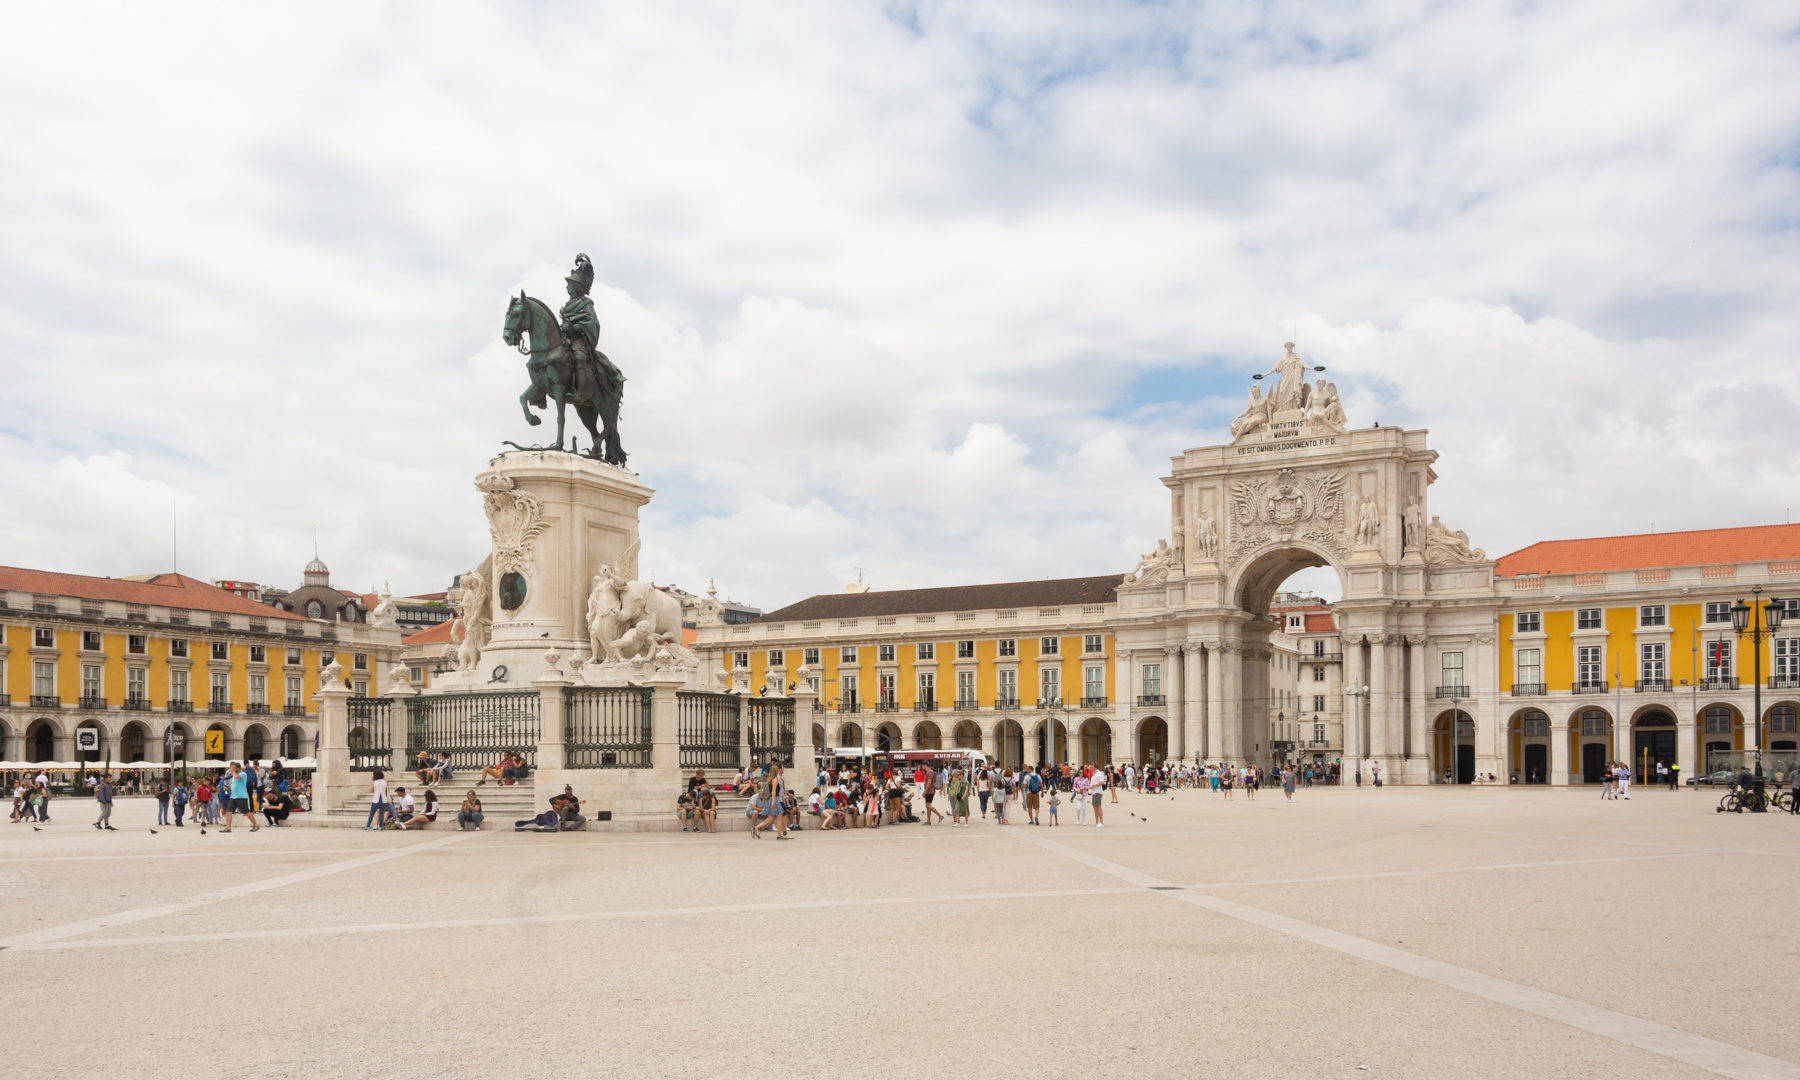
pixel 1699 1051
pixel 126 918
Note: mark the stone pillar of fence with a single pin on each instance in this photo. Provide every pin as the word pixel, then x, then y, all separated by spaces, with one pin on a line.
pixel 665 723
pixel 745 758
pixel 805 768
pixel 332 783
pixel 550 719
pixel 398 695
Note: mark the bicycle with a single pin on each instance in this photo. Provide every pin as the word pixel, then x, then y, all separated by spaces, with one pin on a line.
pixel 1740 799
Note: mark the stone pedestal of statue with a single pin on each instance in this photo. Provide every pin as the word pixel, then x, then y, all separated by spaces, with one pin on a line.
pixel 554 520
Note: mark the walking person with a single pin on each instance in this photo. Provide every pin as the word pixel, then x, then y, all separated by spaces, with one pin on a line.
pixel 984 788
pixel 1624 775
pixel 1032 783
pixel 1675 776
pixel 103 796
pixel 162 803
pixel 1097 792
pixel 930 790
pixel 237 799
pixel 958 789
pixel 1287 783
pixel 180 798
pixel 378 802
pixel 1079 789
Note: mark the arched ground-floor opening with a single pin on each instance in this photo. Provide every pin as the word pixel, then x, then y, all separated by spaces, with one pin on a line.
pixel 92 747
pixel 1044 755
pixel 1453 748
pixel 168 748
pixel 849 735
pixel 927 736
pixel 967 735
pixel 1780 742
pixel 1096 742
pixel 1720 731
pixel 256 739
pixel 1591 736
pixel 1009 742
pixel 40 741
pixel 1653 743
pixel 133 741
pixel 887 737
pixel 223 739
pixel 1152 741
pixel 1528 746
pixel 292 737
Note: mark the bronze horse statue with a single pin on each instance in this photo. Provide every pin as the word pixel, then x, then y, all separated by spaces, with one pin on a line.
pixel 562 376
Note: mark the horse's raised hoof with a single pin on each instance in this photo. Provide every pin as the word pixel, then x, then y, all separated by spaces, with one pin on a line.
pixel 532 420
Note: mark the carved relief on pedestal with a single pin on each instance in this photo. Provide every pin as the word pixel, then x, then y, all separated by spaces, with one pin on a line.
pixel 1288 506
pixel 515 518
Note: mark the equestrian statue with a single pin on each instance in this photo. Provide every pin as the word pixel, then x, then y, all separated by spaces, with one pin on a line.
pixel 566 366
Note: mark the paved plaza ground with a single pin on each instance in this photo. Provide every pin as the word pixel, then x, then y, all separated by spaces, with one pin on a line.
pixel 1417 932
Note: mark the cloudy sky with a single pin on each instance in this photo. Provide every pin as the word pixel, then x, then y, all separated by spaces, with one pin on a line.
pixel 930 290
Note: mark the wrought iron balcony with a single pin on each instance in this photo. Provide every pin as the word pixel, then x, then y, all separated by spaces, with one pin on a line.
pixel 1784 682
pixel 1529 689
pixel 1719 682
pixel 1652 686
pixel 1006 703
pixel 180 705
pixel 5 699
pixel 1152 700
pixel 1049 703
pixel 886 706
pixel 93 701
pixel 1094 702
pixel 967 705
pixel 219 707
pixel 1592 687
pixel 137 704
pixel 1457 692
pixel 849 707
pixel 925 705
pixel 45 701
pixel 293 709
pixel 257 709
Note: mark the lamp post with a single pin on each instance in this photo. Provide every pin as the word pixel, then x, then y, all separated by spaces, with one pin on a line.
pixel 1050 709
pixel 1357 697
pixel 1757 621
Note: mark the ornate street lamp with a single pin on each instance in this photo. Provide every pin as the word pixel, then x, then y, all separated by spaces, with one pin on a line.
pixel 1757 621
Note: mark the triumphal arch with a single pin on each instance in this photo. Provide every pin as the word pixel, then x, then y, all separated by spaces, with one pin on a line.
pixel 1299 487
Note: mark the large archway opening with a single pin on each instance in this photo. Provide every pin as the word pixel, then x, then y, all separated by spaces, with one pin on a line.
pixel 1292 708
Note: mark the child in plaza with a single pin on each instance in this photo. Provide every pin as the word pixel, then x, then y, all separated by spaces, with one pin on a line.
pixel 1055 801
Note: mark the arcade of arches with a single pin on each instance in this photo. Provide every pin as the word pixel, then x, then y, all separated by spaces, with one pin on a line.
pixel 117 740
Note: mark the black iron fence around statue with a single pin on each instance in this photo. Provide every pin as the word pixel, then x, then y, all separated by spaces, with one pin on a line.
pixel 606 727
pixel 474 729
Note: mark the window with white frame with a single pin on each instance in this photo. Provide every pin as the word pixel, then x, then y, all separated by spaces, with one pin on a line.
pixel 90 641
pixel 1093 643
pixel 1318 673
pixel 810 657
pixel 1587 618
pixel 927 687
pixel 1718 659
pixel 1530 666
pixel 42 637
pixel 1593 722
pixel 221 651
pixel 1049 646
pixel 293 686
pixel 361 687
pixel 359 662
pixel 1781 720
pixel 1653 665
pixel 884 685
pixel 1529 622
pixel 847 686
pixel 259 689
pixel 221 688
pixel 1152 680
pixel 1007 647
pixel 847 654
pixel 1050 684
pixel 178 647
pixel 43 679
pixel 259 654
pixel 1006 683
pixel 777 658
pixel 326 659
pixel 1718 611
pixel 1093 682
pixel 1653 615
pixel 293 657
pixel 928 650
pixel 965 650
pixel 740 660
pixel 1787 658
pixel 1535 723
pixel 1318 703
pixel 1450 669
pixel 1718 720
pixel 137 683
pixel 1590 666
pixel 884 654
pixel 90 681
pixel 178 686
pixel 965 687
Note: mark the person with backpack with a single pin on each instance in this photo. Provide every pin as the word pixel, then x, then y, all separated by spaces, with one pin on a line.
pixel 1033 783
pixel 958 790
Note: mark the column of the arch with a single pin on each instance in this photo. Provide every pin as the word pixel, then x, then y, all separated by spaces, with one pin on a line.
pixel 1177 699
pixel 1559 751
pixel 1193 696
pixel 1354 750
pixel 1418 734
pixel 1380 699
pixel 1396 718
pixel 1214 721
pixel 1490 751
pixel 1232 743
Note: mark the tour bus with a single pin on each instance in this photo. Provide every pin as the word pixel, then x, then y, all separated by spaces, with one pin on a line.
pixel 900 761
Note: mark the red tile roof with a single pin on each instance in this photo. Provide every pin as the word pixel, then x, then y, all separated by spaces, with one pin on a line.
pixel 1320 623
pixel 1644 551
pixel 431 635
pixel 153 590
pixel 1006 594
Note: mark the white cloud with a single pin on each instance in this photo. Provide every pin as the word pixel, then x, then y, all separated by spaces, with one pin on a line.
pixel 883 279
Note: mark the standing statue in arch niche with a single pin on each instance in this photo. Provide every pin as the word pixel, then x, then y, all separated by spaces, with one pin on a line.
pixel 1368 523
pixel 1412 524
pixel 1206 536
pixel 566 366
